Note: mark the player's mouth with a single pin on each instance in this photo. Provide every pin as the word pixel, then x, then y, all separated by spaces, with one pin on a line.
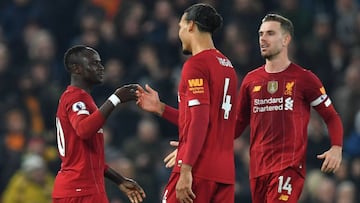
pixel 101 75
pixel 264 47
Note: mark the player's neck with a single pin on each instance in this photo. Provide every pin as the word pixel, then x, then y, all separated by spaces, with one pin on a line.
pixel 202 43
pixel 80 84
pixel 277 64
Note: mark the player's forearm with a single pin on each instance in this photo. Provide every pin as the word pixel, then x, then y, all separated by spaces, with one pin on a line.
pixel 114 176
pixel 334 125
pixel 170 114
pixel 197 133
pixel 109 105
pixel 90 125
pixel 336 131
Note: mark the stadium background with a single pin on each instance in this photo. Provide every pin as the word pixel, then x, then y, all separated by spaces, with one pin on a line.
pixel 138 43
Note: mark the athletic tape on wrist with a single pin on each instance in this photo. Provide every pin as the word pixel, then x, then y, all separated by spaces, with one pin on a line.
pixel 115 100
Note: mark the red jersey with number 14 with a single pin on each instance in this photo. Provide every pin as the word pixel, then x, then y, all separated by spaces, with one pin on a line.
pixel 208 78
pixel 277 106
pixel 83 164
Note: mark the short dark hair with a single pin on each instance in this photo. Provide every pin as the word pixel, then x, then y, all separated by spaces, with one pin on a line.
pixel 285 23
pixel 205 17
pixel 72 55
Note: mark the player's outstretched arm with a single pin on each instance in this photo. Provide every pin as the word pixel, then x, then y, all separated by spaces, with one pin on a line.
pixel 148 100
pixel 121 95
pixel 332 159
pixel 128 186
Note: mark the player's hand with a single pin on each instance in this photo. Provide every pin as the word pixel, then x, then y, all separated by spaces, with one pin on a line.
pixel 170 159
pixel 332 159
pixel 132 190
pixel 184 193
pixel 149 100
pixel 127 92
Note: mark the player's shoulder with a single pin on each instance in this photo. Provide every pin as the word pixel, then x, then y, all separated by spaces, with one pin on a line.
pixel 255 72
pixel 302 70
pixel 205 56
pixel 73 93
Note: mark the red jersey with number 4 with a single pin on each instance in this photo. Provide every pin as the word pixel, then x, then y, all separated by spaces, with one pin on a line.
pixel 208 78
pixel 83 165
pixel 277 106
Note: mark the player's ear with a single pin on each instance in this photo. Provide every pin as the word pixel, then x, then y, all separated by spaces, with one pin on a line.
pixel 191 25
pixel 75 68
pixel 287 40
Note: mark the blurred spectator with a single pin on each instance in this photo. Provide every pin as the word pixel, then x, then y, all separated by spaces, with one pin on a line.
pixel 346 192
pixel 347 97
pixel 352 142
pixel 144 150
pixel 355 172
pixel 31 183
pixel 242 186
pixel 346 12
pixel 315 45
pixel 111 7
pixel 15 15
pixel 319 188
pixel 129 31
pixel 7 77
pixel 12 144
pixel 343 173
pixel 298 14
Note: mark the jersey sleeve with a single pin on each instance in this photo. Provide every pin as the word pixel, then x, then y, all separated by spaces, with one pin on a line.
pixel 315 94
pixel 198 100
pixel 171 114
pixel 197 84
pixel 197 133
pixel 83 119
pixel 243 108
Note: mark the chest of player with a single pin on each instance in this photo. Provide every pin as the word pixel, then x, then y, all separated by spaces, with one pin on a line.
pixel 275 95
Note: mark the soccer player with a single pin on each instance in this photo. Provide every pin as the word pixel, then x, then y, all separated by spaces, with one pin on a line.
pixel 80 136
pixel 275 99
pixel 204 169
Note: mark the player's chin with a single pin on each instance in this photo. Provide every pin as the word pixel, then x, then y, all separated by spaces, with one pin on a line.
pixel 99 81
pixel 266 55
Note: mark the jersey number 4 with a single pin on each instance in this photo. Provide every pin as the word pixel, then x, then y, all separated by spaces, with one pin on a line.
pixel 226 105
pixel 60 137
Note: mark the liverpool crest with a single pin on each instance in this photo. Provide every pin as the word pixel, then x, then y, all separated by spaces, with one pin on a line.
pixel 272 87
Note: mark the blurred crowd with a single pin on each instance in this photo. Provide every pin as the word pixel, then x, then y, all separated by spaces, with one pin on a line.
pixel 138 42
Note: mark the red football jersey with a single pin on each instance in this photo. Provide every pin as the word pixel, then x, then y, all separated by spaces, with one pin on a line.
pixel 208 78
pixel 277 106
pixel 83 164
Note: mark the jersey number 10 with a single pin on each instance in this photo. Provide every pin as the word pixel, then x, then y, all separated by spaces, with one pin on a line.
pixel 60 137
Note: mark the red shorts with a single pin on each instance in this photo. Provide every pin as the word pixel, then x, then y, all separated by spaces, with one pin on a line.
pixel 280 187
pixel 205 191
pixel 98 198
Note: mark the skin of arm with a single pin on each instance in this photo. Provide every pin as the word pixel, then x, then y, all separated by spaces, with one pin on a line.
pixel 128 186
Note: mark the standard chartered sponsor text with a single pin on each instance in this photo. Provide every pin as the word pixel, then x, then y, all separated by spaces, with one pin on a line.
pixel 276 100
pixel 277 104
pixel 258 109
